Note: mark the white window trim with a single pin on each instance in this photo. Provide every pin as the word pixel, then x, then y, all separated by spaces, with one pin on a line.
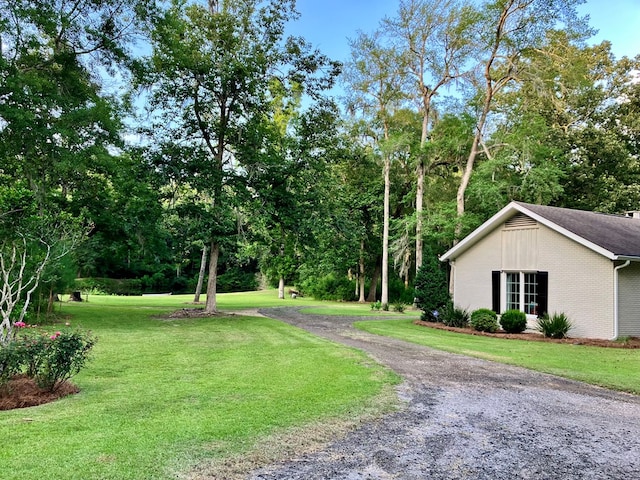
pixel 503 290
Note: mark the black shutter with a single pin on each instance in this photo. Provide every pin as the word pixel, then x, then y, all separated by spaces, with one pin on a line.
pixel 543 292
pixel 495 291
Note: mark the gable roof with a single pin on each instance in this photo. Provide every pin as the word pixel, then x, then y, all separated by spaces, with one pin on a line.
pixel 616 237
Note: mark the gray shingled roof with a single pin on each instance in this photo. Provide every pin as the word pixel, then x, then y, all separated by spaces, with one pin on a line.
pixel 616 233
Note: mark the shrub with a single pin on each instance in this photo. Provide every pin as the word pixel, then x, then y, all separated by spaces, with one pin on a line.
pixel 434 317
pixel 454 317
pixel 484 320
pixel 63 356
pixel 431 289
pixel 376 305
pixel 48 359
pixel 554 326
pixel 330 287
pixel 10 362
pixel 399 307
pixel 513 321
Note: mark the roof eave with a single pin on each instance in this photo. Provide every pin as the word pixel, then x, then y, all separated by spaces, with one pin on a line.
pixel 504 215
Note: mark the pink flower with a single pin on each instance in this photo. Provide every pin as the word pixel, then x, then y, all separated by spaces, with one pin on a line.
pixel 54 336
pixel 19 324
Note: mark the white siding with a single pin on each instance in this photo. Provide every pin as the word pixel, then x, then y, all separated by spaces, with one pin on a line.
pixel 580 280
pixel 629 294
pixel 472 272
pixel 580 284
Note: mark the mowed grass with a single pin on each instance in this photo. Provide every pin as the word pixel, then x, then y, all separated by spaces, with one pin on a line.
pixel 162 395
pixel 615 368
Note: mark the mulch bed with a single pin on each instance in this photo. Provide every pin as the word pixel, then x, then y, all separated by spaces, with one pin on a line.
pixel 630 342
pixel 22 392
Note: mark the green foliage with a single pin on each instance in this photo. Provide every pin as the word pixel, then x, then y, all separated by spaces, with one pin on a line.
pixel 237 280
pixel 399 307
pixel 330 287
pixel 109 286
pixel 484 320
pixel 513 321
pixel 10 362
pixel 453 316
pixel 431 288
pixel 556 325
pixel 50 359
pixel 377 305
pixel 64 355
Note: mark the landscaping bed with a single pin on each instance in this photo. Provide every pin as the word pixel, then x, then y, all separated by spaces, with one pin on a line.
pixel 628 342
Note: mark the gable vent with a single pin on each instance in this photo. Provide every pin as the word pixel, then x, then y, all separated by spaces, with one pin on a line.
pixel 520 221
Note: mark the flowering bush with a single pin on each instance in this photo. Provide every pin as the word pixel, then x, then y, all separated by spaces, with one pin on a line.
pixel 64 355
pixel 49 359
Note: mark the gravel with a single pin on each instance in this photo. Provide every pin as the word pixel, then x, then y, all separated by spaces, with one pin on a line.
pixel 465 418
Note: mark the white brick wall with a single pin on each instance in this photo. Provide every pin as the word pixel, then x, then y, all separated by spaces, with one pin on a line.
pixel 629 294
pixel 580 280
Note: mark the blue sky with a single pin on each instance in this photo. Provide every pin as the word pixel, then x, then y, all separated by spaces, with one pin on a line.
pixel 328 23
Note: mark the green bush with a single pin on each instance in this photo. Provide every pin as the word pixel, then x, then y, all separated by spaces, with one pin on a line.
pixel 237 280
pixel 330 287
pixel 399 307
pixel 48 359
pixel 554 326
pixel 431 288
pixel 376 305
pixel 484 320
pixel 452 316
pixel 10 362
pixel 63 356
pixel 513 321
pixel 109 286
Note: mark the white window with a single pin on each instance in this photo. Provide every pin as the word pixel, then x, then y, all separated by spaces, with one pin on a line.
pixel 522 292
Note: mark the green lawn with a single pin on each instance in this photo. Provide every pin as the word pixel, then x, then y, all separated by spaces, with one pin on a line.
pixel 615 368
pixel 161 395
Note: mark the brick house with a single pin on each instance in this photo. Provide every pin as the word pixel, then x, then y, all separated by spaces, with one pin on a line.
pixel 546 259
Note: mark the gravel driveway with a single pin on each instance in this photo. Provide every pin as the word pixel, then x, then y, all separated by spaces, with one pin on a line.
pixel 466 418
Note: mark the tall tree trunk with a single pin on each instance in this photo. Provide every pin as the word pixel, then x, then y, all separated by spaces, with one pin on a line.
pixel 281 288
pixel 361 276
pixel 373 288
pixel 384 295
pixel 203 266
pixel 492 86
pixel 419 208
pixel 407 260
pixel 211 305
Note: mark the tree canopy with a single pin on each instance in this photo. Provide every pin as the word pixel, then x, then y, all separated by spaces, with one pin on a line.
pixel 136 136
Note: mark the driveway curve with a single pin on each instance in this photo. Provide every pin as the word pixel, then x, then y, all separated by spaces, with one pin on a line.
pixel 466 418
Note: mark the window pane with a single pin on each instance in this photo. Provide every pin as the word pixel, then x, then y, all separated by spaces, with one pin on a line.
pixel 513 291
pixel 531 293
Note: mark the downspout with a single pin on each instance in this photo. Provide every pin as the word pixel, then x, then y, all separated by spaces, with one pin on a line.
pixel 616 302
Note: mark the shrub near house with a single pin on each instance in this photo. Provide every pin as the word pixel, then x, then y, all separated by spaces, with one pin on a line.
pixel 513 321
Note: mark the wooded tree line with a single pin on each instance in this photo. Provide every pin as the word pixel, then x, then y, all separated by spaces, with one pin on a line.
pixel 150 139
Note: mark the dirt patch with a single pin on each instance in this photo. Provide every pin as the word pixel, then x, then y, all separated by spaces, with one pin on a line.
pixel 630 342
pixel 23 392
pixel 186 313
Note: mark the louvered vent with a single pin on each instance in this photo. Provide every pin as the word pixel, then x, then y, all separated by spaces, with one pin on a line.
pixel 520 221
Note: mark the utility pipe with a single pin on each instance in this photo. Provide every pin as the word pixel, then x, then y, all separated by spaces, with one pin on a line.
pixel 616 302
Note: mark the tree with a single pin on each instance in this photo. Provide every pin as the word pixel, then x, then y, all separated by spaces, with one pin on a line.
pixel 506 31
pixel 57 127
pixel 431 290
pixel 433 38
pixel 372 78
pixel 209 77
